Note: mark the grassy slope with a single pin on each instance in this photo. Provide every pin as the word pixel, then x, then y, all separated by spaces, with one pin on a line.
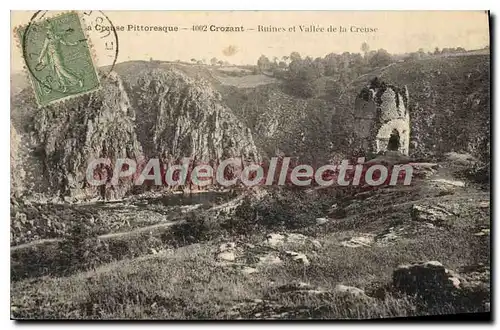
pixel 188 282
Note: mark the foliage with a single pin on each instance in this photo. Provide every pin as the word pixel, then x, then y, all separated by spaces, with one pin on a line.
pixel 196 228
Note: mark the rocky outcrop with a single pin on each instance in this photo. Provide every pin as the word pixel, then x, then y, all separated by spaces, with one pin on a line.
pixel 163 114
pixel 57 142
pixel 433 284
pixel 178 116
pixel 429 278
pixel 73 133
pixel 430 214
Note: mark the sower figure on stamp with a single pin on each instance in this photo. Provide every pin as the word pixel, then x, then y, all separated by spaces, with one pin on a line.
pixel 51 55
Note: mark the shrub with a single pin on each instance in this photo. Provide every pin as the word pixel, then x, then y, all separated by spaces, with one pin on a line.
pixel 196 228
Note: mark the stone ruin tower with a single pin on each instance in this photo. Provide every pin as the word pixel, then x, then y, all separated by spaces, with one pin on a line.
pixel 382 120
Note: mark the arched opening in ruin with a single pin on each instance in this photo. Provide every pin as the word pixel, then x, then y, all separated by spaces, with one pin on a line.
pixel 394 141
pixel 393 135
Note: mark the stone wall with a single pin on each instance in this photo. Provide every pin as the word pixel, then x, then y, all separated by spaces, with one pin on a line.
pixel 381 110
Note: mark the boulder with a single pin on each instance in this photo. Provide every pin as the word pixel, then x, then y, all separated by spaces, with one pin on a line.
pixel 290 240
pixel 345 290
pixel 424 170
pixel 321 221
pixel 275 239
pixel 460 158
pixel 484 204
pixel 430 213
pixel 300 287
pixel 455 183
pixel 296 238
pixel 269 259
pixel 483 232
pixel 226 256
pixel 316 244
pixel 249 270
pixel 297 256
pixel 227 247
pixel 428 280
pixel 358 241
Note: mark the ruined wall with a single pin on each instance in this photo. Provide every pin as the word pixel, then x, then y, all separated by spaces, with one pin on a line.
pixel 381 110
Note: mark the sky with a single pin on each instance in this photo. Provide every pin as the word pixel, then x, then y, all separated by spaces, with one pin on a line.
pixel 396 31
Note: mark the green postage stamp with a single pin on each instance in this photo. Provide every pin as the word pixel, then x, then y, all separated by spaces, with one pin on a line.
pixel 58 58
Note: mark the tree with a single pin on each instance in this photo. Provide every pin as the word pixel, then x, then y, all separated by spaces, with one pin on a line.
pixel 381 58
pixel 436 51
pixel 263 63
pixel 213 61
pixel 302 77
pixel 356 63
pixel 345 59
pixel 319 66
pixel 331 64
pixel 365 48
pixel 295 56
pixel 193 60
pixel 220 62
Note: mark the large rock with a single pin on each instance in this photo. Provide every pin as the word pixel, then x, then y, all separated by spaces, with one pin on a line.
pixel 269 259
pixel 277 240
pixel 461 158
pixel 365 240
pixel 300 287
pixel 179 116
pixel 428 280
pixel 454 183
pixel 344 290
pixel 298 257
pixel 430 213
pixel 226 256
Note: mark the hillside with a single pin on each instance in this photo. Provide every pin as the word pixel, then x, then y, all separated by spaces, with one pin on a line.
pixel 419 250
pixel 266 252
pixel 449 109
pixel 447 95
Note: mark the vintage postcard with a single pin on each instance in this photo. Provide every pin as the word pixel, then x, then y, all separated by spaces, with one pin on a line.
pixel 250 165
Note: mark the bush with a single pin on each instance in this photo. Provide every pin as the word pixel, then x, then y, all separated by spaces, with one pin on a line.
pixel 81 247
pixel 283 209
pixel 196 228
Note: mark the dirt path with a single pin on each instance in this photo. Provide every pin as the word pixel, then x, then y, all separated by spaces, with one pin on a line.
pixel 230 204
pixel 233 203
